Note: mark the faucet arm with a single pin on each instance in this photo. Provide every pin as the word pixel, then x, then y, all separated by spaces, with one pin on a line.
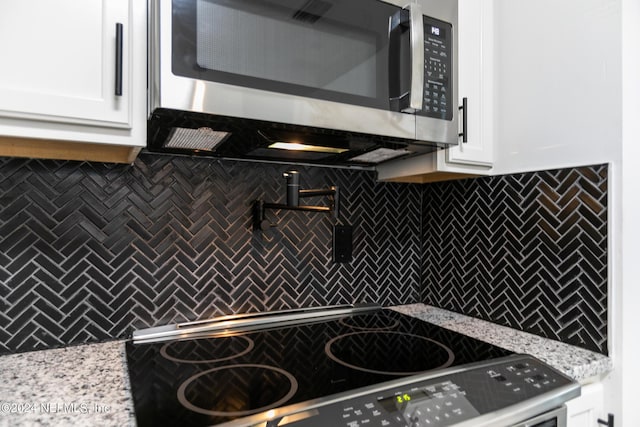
pixel 293 203
pixel 277 206
pixel 317 192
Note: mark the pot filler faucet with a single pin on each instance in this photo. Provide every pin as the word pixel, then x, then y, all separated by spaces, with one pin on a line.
pixel 342 234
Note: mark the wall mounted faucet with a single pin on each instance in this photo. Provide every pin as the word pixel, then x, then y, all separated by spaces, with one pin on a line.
pixel 342 234
pixel 294 193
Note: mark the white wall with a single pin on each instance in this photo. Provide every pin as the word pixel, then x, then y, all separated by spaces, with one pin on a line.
pixel 626 298
pixel 568 94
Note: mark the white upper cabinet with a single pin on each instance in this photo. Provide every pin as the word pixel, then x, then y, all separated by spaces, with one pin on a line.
pixel 59 61
pixel 475 83
pixel 475 79
pixel 73 71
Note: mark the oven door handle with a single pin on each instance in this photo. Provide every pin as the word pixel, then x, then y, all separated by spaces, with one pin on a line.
pixel 406 96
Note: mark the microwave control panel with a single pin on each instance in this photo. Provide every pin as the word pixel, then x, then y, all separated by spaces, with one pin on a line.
pixel 437 101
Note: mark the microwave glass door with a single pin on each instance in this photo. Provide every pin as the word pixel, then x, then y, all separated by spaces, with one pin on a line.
pixel 334 50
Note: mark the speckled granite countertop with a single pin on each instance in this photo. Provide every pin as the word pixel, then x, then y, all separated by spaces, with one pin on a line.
pixel 88 384
pixel 582 365
pixel 75 386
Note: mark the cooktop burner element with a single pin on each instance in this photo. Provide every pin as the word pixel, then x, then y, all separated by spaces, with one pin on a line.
pixel 237 390
pixel 369 352
pixel 226 371
pixel 207 350
pixel 370 322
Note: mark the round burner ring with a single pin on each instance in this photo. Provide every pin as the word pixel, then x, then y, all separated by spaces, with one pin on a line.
pixel 182 398
pixel 327 349
pixel 250 345
pixel 393 325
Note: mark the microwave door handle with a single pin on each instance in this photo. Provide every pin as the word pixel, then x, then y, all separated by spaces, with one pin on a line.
pixel 402 96
pixel 417 58
pixel 399 23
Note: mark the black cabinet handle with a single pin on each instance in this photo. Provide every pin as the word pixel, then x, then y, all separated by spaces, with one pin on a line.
pixel 119 32
pixel 464 120
pixel 608 423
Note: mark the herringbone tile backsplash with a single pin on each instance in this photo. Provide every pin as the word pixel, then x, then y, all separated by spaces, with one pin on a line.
pixel 89 252
pixel 527 251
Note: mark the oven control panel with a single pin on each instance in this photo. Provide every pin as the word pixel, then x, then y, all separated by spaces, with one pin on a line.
pixel 453 397
pixel 432 404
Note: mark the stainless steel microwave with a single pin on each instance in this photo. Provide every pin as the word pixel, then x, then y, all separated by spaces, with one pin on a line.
pixel 337 82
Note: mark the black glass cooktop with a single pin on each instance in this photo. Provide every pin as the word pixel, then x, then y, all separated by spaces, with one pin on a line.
pixel 209 381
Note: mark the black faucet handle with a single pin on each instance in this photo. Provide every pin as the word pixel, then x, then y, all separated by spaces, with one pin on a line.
pixel 293 188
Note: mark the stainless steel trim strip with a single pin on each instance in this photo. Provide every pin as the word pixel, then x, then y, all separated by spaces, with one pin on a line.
pixel 153 55
pixel 234 324
pixel 278 312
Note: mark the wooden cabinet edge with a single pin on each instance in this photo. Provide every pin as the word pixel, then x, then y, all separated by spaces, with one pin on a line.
pixel 64 150
pixel 430 177
pixel 424 169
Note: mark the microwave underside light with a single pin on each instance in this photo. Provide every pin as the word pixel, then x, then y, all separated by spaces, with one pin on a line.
pixel 297 146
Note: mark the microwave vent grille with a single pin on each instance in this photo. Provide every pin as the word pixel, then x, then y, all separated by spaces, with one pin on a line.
pixel 205 139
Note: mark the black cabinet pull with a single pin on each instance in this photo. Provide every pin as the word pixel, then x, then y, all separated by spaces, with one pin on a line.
pixel 464 120
pixel 608 423
pixel 119 31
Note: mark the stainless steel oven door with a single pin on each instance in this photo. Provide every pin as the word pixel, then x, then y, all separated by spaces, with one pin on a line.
pixel 555 418
pixel 326 65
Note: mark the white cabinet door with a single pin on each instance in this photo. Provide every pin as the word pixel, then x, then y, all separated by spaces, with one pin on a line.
pixel 475 37
pixel 59 61
pixel 585 410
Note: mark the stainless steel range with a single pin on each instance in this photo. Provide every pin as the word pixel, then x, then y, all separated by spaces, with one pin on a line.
pixel 347 366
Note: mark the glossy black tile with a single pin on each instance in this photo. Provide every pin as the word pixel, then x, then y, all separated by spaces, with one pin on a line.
pixel 543 236
pixel 90 251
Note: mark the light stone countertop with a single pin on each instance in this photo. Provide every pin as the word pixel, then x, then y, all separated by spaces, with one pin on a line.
pixel 582 365
pixel 89 384
pixel 85 385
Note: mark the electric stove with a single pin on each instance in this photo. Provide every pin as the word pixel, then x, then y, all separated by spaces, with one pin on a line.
pixel 234 367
